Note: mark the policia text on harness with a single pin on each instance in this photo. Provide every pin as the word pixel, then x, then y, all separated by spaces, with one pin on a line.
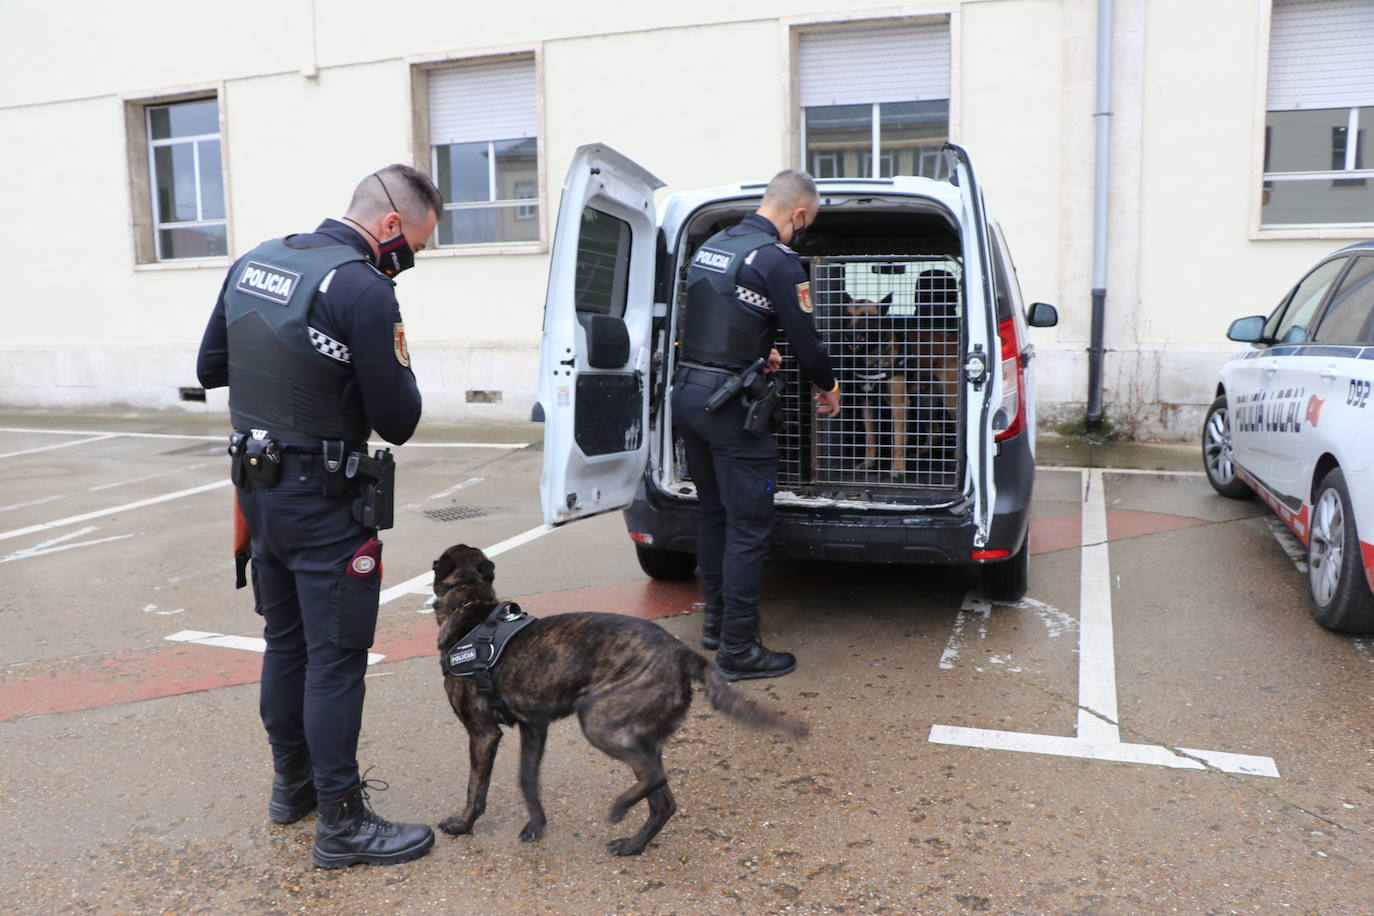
pixel 476 652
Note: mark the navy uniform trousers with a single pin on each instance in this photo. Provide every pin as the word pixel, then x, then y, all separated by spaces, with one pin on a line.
pixel 318 620
pixel 734 473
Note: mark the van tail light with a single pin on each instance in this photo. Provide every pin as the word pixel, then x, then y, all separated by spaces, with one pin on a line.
pixel 1011 415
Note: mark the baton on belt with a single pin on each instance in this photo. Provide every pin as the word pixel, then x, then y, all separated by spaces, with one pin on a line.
pixel 242 544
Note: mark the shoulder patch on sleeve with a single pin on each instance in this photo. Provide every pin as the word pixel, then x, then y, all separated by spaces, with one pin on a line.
pixel 398 343
pixel 804 297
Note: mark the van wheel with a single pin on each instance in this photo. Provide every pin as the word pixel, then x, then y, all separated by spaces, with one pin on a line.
pixel 1007 579
pixel 1341 599
pixel 1216 452
pixel 669 565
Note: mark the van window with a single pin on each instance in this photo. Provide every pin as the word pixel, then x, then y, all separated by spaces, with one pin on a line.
pixel 1307 298
pixel 1347 319
pixel 603 264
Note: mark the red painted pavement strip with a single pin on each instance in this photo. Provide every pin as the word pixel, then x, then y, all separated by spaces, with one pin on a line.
pixel 171 670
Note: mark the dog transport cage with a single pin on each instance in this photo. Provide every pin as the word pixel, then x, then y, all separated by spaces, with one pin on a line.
pixel 894 326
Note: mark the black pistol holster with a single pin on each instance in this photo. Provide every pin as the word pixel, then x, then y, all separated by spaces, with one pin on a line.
pixel 374 505
pixel 761 399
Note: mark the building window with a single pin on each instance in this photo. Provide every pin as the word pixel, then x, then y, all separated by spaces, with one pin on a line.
pixel 483 138
pixel 177 173
pixel 1320 106
pixel 875 99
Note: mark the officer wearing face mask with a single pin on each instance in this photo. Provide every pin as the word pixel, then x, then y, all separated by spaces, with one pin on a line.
pixel 308 336
pixel 742 284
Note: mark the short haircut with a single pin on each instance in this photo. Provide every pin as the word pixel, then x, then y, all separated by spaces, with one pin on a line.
pixel 791 188
pixel 411 190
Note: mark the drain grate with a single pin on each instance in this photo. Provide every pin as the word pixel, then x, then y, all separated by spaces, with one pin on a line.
pixel 202 449
pixel 454 513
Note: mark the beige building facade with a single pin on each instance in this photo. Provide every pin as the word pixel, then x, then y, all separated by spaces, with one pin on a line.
pixel 150 143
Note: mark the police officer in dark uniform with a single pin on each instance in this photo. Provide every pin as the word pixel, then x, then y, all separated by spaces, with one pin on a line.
pixel 742 283
pixel 308 336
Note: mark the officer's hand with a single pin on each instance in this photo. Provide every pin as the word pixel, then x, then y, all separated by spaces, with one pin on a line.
pixel 828 403
pixel 774 361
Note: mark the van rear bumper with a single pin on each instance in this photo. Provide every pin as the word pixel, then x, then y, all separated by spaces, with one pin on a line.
pixel 859 535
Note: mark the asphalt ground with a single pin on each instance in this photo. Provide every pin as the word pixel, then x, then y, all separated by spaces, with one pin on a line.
pixel 1159 728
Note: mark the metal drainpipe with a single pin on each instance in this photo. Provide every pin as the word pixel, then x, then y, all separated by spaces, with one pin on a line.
pixel 1101 193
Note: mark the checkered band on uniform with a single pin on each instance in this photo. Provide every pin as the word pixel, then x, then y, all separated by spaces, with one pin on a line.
pixel 329 346
pixel 753 298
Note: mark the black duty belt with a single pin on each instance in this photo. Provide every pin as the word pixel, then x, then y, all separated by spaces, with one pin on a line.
pixel 476 653
pixel 707 378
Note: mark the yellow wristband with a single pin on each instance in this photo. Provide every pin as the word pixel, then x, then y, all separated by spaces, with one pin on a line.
pixel 836 388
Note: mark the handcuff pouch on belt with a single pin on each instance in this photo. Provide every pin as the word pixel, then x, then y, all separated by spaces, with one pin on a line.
pixel 373 507
pixel 256 459
pixel 476 653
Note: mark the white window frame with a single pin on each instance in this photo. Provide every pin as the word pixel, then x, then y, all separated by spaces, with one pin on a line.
pixel 159 224
pixel 791 28
pixel 423 155
pixel 1258 230
pixel 144 224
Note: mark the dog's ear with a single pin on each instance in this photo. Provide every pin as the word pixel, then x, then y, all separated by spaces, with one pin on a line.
pixel 486 569
pixel 887 300
pixel 443 569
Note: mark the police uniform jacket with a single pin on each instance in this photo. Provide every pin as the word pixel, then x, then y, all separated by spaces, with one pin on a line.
pixel 358 321
pixel 775 285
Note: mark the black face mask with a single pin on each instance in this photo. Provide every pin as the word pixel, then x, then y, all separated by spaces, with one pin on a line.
pixel 798 233
pixel 394 255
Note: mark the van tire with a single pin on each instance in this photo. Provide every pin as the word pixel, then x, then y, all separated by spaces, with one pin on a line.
pixel 1336 582
pixel 667 565
pixel 1006 580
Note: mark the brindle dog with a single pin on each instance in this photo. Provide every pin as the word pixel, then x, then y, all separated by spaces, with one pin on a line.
pixel 628 680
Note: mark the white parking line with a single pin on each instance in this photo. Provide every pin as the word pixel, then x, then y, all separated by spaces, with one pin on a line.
pixel 1128 471
pixel 246 643
pixel 47 547
pixel 109 432
pixel 87 516
pixel 423 583
pixel 1098 733
pixel 32 502
pixel 418 585
pixel 49 448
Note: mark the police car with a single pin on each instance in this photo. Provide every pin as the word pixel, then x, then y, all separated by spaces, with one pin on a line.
pixel 932 459
pixel 1293 421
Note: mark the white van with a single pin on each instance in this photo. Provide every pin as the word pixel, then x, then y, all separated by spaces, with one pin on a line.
pixel 932 459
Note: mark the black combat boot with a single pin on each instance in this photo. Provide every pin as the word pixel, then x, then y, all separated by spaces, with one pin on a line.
pixel 742 655
pixel 349 832
pixel 293 788
pixel 710 627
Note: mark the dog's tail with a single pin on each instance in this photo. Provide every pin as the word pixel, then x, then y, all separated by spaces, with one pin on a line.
pixel 736 705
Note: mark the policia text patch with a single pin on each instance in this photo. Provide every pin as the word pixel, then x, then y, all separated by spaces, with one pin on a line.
pixel 267 282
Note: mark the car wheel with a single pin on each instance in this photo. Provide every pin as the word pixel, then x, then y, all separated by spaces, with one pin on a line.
pixel 1216 452
pixel 1341 599
pixel 1006 580
pixel 669 565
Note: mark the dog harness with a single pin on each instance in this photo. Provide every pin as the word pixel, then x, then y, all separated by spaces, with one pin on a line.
pixel 477 652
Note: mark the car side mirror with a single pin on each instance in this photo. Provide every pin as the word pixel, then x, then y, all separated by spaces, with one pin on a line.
pixel 608 340
pixel 1247 330
pixel 1042 315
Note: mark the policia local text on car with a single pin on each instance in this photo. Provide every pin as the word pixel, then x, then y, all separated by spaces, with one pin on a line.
pixel 308 336
pixel 741 284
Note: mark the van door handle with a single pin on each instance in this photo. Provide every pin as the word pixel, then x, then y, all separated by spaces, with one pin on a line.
pixel 1269 373
pixel 1329 373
